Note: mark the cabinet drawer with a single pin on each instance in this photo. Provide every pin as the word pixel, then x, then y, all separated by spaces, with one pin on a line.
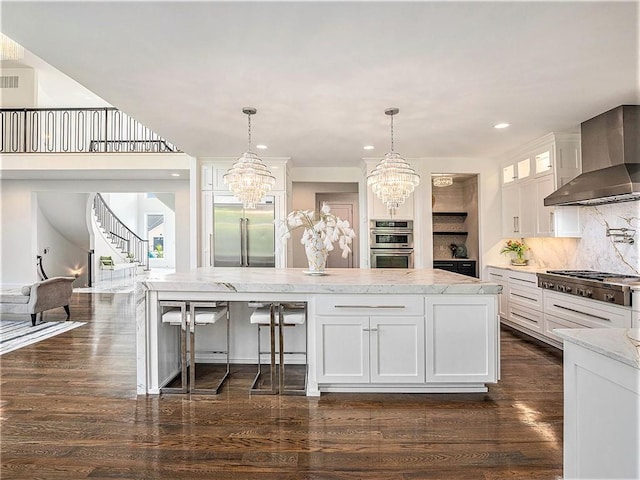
pixel 526 296
pixel 551 322
pixel 497 274
pixel 587 313
pixel 371 305
pixel 526 317
pixel 525 279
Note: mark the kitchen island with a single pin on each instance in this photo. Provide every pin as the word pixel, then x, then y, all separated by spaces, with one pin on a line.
pixel 368 330
pixel 601 403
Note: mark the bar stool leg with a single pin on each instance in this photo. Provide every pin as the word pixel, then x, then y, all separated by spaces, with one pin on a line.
pixel 184 388
pixel 192 370
pixel 282 377
pixel 272 336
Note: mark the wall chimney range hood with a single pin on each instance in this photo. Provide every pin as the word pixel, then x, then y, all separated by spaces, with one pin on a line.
pixel 610 161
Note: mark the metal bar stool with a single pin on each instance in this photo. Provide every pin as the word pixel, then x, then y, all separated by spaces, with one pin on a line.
pixel 264 316
pixel 202 314
pixel 280 315
pixel 290 315
pixel 175 314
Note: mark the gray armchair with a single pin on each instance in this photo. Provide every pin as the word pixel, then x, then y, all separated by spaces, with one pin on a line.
pixel 47 294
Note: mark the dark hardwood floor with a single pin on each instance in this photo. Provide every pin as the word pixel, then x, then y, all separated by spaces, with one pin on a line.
pixel 69 410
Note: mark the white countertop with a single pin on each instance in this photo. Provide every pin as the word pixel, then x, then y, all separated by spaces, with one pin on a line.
pixel 528 268
pixel 621 344
pixel 336 280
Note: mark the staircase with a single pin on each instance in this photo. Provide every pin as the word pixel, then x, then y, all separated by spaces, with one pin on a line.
pixel 119 234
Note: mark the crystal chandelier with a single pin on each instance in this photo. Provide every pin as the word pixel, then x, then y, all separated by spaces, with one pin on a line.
pixel 442 180
pixel 249 179
pixel 10 50
pixel 393 179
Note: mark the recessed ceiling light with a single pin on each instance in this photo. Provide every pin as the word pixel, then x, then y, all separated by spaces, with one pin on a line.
pixel 175 174
pixel 501 125
pixel 261 147
pixel 368 147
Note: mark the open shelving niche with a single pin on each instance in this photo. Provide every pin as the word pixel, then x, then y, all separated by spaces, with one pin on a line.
pixel 459 218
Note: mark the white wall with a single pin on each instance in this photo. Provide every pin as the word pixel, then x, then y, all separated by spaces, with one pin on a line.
pixel 25 96
pixel 19 227
pixel 126 207
pixel 18 237
pixel 63 258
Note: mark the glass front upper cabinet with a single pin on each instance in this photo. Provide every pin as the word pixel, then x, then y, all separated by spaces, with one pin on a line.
pixel 543 162
pixel 524 168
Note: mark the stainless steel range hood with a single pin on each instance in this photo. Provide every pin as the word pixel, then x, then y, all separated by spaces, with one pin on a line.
pixel 610 161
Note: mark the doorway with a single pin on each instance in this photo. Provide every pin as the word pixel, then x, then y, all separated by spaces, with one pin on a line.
pixel 345 207
pixel 342 198
pixel 455 222
pixel 155 235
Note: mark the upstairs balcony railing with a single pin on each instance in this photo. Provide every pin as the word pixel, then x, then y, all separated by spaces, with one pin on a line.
pixel 76 130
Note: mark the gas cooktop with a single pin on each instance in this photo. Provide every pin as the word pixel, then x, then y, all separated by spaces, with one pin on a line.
pixel 603 286
pixel 597 276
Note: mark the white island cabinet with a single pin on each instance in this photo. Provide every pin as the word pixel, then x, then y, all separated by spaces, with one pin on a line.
pixel 601 403
pixel 368 330
pixel 370 340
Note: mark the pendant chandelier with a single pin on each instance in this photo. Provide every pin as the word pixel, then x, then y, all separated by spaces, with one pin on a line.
pixel 442 180
pixel 393 179
pixel 249 179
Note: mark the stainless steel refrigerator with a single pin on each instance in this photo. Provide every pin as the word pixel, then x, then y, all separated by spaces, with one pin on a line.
pixel 242 237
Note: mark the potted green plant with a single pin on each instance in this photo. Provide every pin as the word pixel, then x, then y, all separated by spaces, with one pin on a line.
pixel 517 249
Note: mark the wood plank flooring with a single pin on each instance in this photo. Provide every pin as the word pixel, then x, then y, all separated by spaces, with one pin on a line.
pixel 69 410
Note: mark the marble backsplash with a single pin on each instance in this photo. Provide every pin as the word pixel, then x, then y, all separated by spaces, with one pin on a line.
pixel 599 252
pixel 594 250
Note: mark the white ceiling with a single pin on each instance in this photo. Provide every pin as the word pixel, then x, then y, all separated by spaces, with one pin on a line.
pixel 321 74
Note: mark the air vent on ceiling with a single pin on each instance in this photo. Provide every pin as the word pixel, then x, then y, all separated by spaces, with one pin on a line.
pixel 8 81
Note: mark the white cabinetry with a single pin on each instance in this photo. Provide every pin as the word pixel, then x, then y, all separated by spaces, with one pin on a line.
pixel 601 413
pixel 525 301
pixel 462 339
pixel 364 342
pixel 518 212
pixel 569 311
pixel 635 315
pixel 499 276
pixel 537 312
pixel 206 223
pixel 531 174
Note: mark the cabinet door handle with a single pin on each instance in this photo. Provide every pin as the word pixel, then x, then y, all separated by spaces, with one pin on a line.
pixel 551 222
pixel 369 329
pixel 368 306
pixel 524 318
pixel 524 296
pixel 515 228
pixel 583 313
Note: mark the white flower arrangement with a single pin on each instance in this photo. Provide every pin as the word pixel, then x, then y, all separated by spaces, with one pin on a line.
pixel 327 225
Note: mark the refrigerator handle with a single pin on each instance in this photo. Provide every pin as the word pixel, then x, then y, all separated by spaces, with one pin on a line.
pixel 242 242
pixel 246 242
pixel 211 249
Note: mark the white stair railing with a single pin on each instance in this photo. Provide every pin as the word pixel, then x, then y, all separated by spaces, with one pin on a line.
pixel 119 234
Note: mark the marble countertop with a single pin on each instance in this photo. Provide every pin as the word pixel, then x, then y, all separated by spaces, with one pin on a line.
pixel 621 344
pixel 528 268
pixel 337 280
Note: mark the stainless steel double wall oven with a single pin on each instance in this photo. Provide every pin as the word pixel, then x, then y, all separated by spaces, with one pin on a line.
pixel 391 243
